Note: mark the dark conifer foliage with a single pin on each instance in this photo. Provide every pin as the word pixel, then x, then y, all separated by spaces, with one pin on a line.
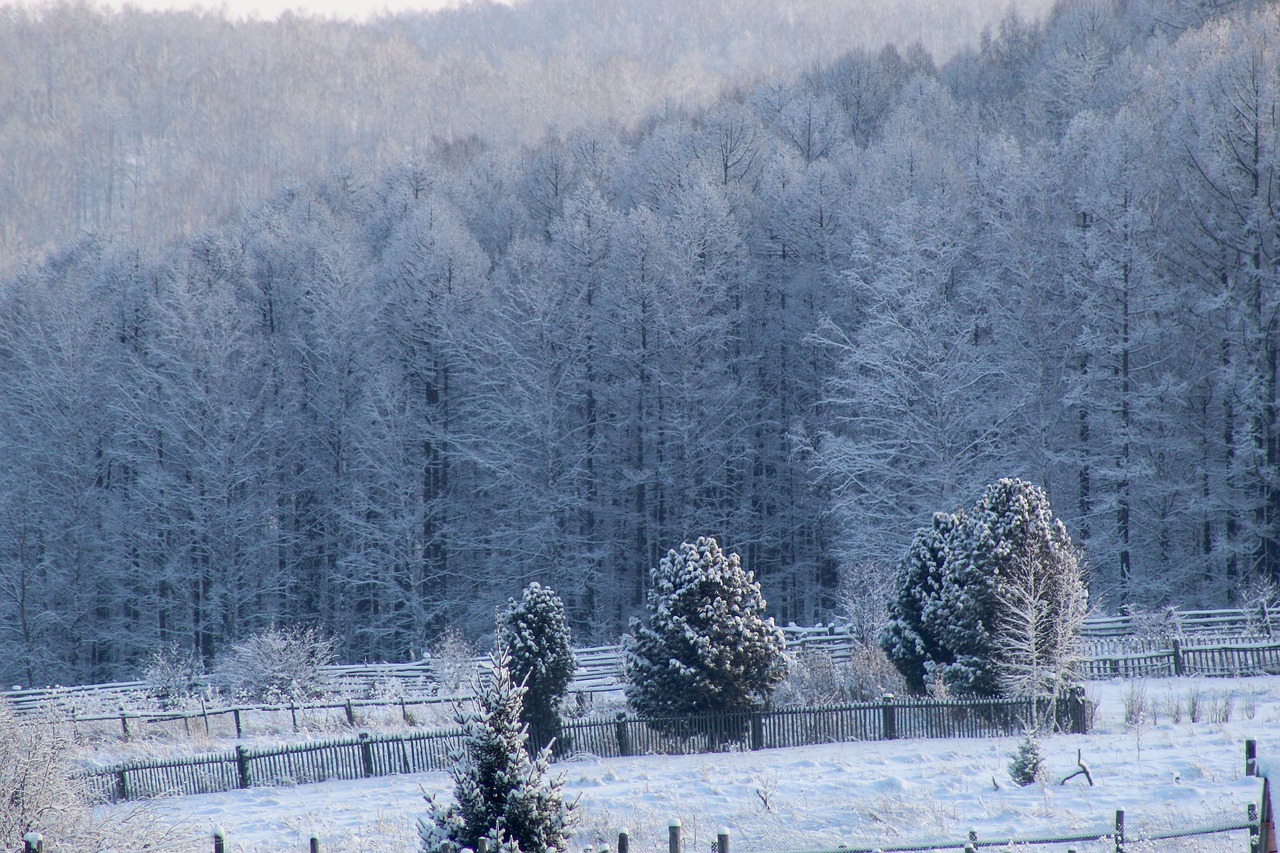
pixel 535 634
pixel 706 645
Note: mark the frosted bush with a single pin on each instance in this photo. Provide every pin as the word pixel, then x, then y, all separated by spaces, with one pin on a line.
pixel 815 677
pixel 277 665
pixel 454 662
pixel 173 675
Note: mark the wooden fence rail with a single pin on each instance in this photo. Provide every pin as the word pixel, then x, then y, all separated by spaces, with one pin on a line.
pixel 381 755
pixel 1114 659
pixel 1185 659
pixel 600 669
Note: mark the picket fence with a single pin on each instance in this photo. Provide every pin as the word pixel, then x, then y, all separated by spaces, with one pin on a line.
pixel 1117 646
pixel 371 755
pixel 1187 658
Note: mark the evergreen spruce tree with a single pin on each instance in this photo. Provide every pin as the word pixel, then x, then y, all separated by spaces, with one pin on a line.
pixel 1027 764
pixel 499 790
pixel 706 645
pixel 948 615
pixel 536 635
pixel 909 638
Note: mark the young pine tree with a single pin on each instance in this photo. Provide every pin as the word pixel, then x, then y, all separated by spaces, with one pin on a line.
pixel 501 793
pixel 707 645
pixel 1027 764
pixel 534 632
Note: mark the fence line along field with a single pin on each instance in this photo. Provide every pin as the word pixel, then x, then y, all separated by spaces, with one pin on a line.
pixel 1171 770
pixel 128 711
pixel 600 667
pixel 370 755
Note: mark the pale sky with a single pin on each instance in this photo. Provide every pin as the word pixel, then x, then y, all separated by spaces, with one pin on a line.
pixel 270 9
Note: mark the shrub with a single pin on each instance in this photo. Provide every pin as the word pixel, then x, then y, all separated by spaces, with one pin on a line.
pixel 173 675
pixel 36 790
pixel 277 665
pixel 453 661
pixel 814 677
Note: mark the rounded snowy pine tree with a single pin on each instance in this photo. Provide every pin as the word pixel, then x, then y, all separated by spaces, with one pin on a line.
pixel 951 616
pixel 1009 530
pixel 501 793
pixel 706 645
pixel 536 635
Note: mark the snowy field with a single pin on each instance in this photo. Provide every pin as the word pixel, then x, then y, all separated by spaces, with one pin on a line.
pixel 1167 772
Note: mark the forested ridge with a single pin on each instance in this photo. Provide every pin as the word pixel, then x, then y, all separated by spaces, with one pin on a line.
pixel 801 319
pixel 153 126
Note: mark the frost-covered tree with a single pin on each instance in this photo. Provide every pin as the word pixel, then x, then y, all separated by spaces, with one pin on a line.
pixel 535 634
pixel 501 794
pixel 955 617
pixel 1043 601
pixel 277 665
pixel 707 645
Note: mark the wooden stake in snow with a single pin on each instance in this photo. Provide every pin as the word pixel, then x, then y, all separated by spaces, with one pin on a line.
pixel 1084 769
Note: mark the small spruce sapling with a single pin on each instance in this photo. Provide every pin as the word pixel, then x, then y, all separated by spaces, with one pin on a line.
pixel 501 793
pixel 1027 766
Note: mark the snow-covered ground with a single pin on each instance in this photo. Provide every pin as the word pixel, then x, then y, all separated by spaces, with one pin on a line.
pixel 1166 772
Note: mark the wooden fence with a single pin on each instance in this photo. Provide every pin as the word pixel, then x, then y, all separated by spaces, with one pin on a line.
pixel 1262 620
pixel 381 755
pixel 1196 649
pixel 1184 657
pixel 1112 658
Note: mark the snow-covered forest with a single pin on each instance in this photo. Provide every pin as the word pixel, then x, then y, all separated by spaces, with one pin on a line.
pixel 801 315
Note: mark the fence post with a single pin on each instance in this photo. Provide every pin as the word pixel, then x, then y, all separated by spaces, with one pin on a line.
pixel 242 764
pixel 1119 830
pixel 351 715
pixel 1255 829
pixel 624 841
pixel 620 730
pixel 122 783
pixel 1178 668
pixel 366 754
pixel 482 845
pixel 757 730
pixel 1251 757
pixel 1266 820
pixel 33 842
pixel 673 837
pixel 219 840
pixel 315 845
pixel 124 724
pixel 722 840
pixel 239 731
pixel 888 721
